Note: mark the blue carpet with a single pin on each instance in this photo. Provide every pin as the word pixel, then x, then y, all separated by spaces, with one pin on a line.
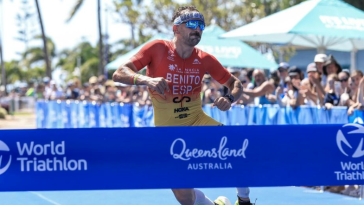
pixel 265 196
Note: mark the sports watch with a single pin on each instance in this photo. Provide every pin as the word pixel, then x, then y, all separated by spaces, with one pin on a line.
pixel 230 98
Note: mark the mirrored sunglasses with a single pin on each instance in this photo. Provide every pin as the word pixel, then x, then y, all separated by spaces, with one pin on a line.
pixel 195 23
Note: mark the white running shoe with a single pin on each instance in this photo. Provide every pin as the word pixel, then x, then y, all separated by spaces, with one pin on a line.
pixel 221 200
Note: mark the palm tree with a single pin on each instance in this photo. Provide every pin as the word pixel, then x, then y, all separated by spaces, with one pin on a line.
pixel 35 54
pixel 88 60
pixel 129 12
pixel 45 49
pixel 101 52
pixel 14 72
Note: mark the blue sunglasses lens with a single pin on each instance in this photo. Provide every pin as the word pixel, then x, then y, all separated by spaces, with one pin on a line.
pixel 194 24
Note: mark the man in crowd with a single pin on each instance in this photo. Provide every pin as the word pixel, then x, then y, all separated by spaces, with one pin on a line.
pixel 283 71
pixel 320 60
pixel 168 63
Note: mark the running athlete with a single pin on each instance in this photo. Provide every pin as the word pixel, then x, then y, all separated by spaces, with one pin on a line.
pixel 174 79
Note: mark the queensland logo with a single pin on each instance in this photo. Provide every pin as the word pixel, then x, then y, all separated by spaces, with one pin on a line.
pixel 182 109
pixel 180 151
pixel 343 144
pixel 4 150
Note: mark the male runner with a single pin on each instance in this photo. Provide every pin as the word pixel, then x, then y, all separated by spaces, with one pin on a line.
pixel 174 79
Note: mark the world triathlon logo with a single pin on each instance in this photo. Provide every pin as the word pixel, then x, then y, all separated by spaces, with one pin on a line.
pixel 5 158
pixel 350 142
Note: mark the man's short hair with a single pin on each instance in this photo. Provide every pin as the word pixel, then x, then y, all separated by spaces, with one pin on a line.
pixel 181 10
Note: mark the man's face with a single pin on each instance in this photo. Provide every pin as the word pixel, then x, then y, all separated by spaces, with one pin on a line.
pixel 190 36
pixel 282 73
pixel 258 77
pixel 312 74
pixel 319 66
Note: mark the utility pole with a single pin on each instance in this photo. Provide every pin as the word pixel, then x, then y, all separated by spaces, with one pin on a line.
pixel 101 56
pixel 3 73
pixel 106 42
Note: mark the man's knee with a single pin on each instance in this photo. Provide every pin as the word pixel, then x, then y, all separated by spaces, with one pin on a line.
pixel 184 196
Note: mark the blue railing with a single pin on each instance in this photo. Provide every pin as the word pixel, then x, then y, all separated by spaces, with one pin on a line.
pixel 69 114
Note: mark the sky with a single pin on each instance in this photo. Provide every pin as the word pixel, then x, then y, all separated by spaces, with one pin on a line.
pixel 54 14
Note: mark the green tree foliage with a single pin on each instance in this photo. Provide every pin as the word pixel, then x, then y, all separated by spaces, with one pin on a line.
pixel 74 10
pixel 84 54
pixel 34 55
pixel 13 72
pixel 26 24
pixel 357 3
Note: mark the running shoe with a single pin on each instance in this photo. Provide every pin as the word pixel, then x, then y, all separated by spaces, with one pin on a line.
pixel 244 203
pixel 221 200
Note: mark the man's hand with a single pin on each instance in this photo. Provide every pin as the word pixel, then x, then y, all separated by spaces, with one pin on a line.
pixel 158 84
pixel 279 90
pixel 314 80
pixel 222 103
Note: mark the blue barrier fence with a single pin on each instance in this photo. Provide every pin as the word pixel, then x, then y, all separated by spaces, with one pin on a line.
pixel 149 158
pixel 62 114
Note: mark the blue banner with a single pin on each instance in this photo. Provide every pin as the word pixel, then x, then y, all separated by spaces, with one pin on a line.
pixel 172 157
pixel 68 114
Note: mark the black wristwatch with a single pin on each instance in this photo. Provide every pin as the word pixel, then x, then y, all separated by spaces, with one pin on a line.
pixel 230 98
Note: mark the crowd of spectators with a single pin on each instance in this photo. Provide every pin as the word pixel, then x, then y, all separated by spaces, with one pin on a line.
pixel 323 83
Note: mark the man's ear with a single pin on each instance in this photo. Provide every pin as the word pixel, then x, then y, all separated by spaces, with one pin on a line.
pixel 175 30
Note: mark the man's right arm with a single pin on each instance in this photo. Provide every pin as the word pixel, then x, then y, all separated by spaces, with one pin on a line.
pixel 266 87
pixel 127 72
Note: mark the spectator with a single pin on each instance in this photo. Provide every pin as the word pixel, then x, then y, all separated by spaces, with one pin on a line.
pixel 101 80
pixel 283 71
pixel 244 79
pixel 331 67
pixel 95 93
pixel 345 89
pixel 320 60
pixel 47 88
pixel 291 95
pixel 311 86
pixel 110 91
pixel 332 97
pixel 72 90
pixel 249 75
pixel 262 87
pixel 56 93
pixel 360 97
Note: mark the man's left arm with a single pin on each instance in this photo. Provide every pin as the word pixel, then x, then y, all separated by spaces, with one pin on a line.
pixel 235 89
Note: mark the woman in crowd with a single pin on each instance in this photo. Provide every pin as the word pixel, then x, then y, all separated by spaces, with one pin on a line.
pixel 331 67
pixel 332 97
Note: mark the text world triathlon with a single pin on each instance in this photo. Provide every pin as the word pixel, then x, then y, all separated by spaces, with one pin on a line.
pixel 350 171
pixel 56 160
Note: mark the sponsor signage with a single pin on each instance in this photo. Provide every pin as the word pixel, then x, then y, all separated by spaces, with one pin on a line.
pixel 172 157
